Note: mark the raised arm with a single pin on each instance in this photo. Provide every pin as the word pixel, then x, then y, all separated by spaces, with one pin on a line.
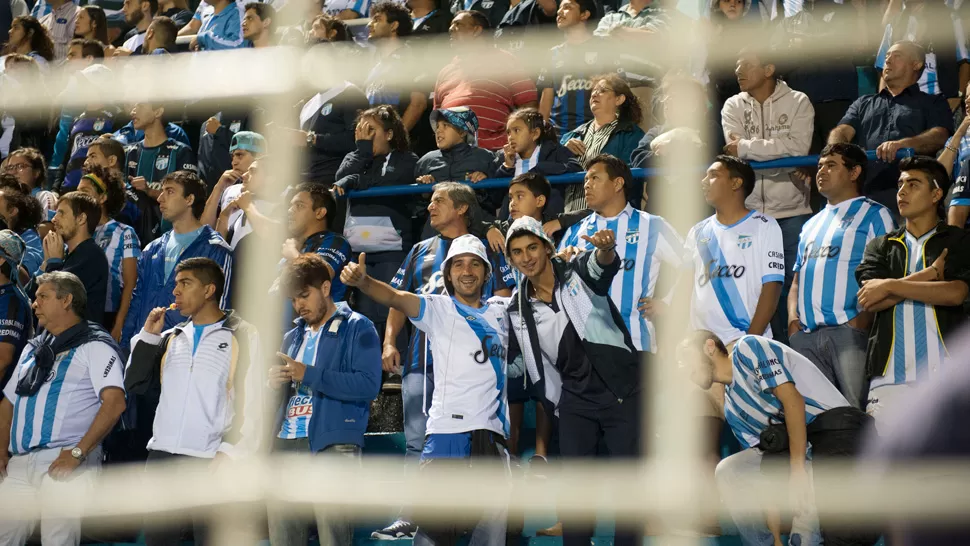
pixel 355 274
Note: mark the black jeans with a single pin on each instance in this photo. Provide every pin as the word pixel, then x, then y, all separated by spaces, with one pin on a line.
pixel 581 428
pixel 172 535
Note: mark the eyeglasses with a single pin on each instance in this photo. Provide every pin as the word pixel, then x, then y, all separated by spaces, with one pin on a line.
pixel 16 168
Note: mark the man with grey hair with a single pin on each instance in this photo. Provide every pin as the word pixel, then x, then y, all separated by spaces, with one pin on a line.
pixel 65 396
pixel 899 116
pixel 452 207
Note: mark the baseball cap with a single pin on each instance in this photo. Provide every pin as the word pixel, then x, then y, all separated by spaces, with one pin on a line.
pixel 248 141
pixel 461 117
pixel 466 244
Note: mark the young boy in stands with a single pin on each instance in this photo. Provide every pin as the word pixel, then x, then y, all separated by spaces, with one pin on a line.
pixel 528 194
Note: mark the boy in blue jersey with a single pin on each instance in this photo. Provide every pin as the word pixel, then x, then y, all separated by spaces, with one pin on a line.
pixel 468 418
pixel 181 201
pixel 646 243
pixel 16 323
pixel 916 280
pixel 767 383
pixel 451 210
pixel 564 94
pixel 826 323
pixel 312 210
pixel 222 29
pixel 152 159
pixel 119 243
pixel 331 373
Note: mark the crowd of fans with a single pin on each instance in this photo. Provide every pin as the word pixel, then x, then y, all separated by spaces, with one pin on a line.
pixel 819 296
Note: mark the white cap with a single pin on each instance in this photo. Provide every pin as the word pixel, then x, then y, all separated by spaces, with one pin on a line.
pixel 466 244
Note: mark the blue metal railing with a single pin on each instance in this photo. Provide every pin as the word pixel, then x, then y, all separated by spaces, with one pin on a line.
pixel 577 178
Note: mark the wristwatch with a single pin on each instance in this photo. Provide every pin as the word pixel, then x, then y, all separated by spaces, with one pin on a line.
pixel 311 138
pixel 78 454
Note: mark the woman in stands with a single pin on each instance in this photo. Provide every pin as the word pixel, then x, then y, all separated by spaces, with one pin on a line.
pixel 28 165
pixel 613 130
pixel 29 37
pixel 92 24
pixel 380 227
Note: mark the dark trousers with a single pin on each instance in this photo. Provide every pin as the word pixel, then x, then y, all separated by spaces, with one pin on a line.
pixel 581 428
pixel 172 535
pixel 836 435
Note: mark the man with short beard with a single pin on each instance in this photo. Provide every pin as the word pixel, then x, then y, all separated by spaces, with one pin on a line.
pixel 76 220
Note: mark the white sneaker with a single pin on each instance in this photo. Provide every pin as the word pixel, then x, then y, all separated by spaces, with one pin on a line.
pixel 395 531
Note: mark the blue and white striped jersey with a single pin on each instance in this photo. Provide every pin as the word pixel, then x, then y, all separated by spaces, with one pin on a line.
pixel 470 345
pixel 731 263
pixel 644 242
pixel 299 409
pixel 420 274
pixel 62 411
pixel 119 243
pixel 759 365
pixel 917 350
pixel 830 249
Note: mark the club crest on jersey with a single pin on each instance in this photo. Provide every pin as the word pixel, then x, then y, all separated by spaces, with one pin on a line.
pixel 573 286
pixel 235 126
pixel 487 4
pixel 161 163
pixel 98 125
pixel 745 242
pixel 327 108
pixel 632 237
pixel 846 222
pixel 782 119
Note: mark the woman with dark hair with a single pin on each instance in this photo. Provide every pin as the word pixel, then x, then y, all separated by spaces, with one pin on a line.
pixel 22 214
pixel 380 227
pixel 92 24
pixel 613 130
pixel 29 37
pixel 28 165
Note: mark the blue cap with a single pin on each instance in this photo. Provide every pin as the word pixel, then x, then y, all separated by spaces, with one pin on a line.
pixel 462 118
pixel 248 141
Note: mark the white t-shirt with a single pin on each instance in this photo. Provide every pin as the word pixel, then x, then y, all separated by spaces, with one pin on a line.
pixel 730 264
pixel 133 43
pixel 62 411
pixel 469 345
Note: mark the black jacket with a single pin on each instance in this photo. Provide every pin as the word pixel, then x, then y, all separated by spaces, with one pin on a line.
pixel 438 22
pixel 526 16
pixel 214 157
pixel 333 126
pixel 886 258
pixel 89 263
pixel 554 159
pixel 495 10
pixel 361 170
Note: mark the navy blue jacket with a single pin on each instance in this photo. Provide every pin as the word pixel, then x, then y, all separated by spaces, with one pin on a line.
pixel 334 126
pixel 345 378
pixel 554 159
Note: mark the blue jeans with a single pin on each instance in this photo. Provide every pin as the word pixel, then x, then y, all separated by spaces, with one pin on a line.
pixel 840 353
pixel 416 402
pixel 791 230
pixel 736 476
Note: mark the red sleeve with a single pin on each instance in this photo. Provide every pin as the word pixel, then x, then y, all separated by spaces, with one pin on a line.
pixel 522 87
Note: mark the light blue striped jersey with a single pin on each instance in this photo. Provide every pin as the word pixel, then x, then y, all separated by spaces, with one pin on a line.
pixel 830 248
pixel 470 346
pixel 643 242
pixel 119 243
pixel 296 421
pixel 759 365
pixel 362 7
pixel 61 412
pixel 730 265
pixel 917 347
